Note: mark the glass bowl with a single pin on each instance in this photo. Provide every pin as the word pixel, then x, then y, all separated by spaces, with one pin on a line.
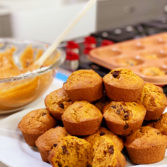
pixel 20 81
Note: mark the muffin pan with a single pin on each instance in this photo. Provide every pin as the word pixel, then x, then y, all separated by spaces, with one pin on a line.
pixel 146 56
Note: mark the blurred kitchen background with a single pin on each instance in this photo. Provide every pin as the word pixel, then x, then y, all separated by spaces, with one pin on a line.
pixel 44 19
pixel 108 22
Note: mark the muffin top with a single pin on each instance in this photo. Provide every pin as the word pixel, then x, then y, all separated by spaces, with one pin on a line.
pixel 82 79
pixel 146 137
pixel 51 138
pixel 161 124
pixel 123 78
pixel 57 100
pixel 36 121
pixel 104 132
pixel 121 112
pixel 153 97
pixel 81 111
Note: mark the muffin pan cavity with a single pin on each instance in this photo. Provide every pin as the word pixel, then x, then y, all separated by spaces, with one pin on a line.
pixel 108 52
pixel 153 74
pixel 137 45
pixel 152 55
pixel 126 61
pixel 146 56
pixel 152 71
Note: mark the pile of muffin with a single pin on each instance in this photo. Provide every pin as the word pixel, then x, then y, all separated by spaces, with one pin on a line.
pixel 99 116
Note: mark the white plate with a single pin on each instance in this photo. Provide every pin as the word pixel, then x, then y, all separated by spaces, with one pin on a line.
pixel 14 152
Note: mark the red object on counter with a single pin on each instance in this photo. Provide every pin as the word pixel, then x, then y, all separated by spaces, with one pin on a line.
pixel 107 42
pixel 72 45
pixel 72 56
pixel 72 51
pixel 90 40
pixel 89 44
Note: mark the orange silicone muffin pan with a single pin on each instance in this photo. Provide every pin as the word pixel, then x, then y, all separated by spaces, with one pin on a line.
pixel 146 56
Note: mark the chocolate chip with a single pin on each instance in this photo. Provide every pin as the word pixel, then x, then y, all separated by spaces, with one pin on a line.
pixel 126 126
pixel 44 113
pixel 105 152
pixel 102 133
pixel 126 115
pixel 61 105
pixel 54 145
pixel 113 107
pixel 111 150
pixel 118 111
pixel 134 104
pixel 116 74
pixel 65 151
pixel 141 130
pixel 88 165
pixel 158 133
pixel 59 164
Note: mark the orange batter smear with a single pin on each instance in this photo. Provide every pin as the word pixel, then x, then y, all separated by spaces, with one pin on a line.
pixel 39 54
pixel 27 57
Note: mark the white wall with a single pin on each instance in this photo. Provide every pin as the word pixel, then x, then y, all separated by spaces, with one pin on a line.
pixel 45 19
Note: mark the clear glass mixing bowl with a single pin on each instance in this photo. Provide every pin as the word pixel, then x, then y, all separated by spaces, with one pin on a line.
pixel 16 91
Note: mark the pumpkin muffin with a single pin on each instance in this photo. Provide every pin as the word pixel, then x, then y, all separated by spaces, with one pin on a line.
pixel 123 118
pixel 72 152
pixel 154 100
pixel 123 85
pixel 82 118
pixel 48 140
pixel 56 102
pixel 161 124
pixel 106 154
pixel 84 85
pixel 146 145
pixel 104 132
pixel 34 124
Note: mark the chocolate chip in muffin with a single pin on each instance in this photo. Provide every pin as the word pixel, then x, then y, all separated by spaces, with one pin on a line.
pixel 102 133
pixel 126 126
pixel 111 150
pixel 65 151
pixel 44 113
pixel 158 133
pixel 54 145
pixel 141 130
pixel 61 105
pixel 113 106
pixel 115 74
pixel 126 115
pixel 88 165
pixel 118 111
pixel 59 164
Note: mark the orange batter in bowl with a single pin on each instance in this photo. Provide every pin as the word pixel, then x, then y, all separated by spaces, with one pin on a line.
pixel 16 94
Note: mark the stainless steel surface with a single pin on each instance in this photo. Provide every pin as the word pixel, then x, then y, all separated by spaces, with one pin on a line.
pixel 116 13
